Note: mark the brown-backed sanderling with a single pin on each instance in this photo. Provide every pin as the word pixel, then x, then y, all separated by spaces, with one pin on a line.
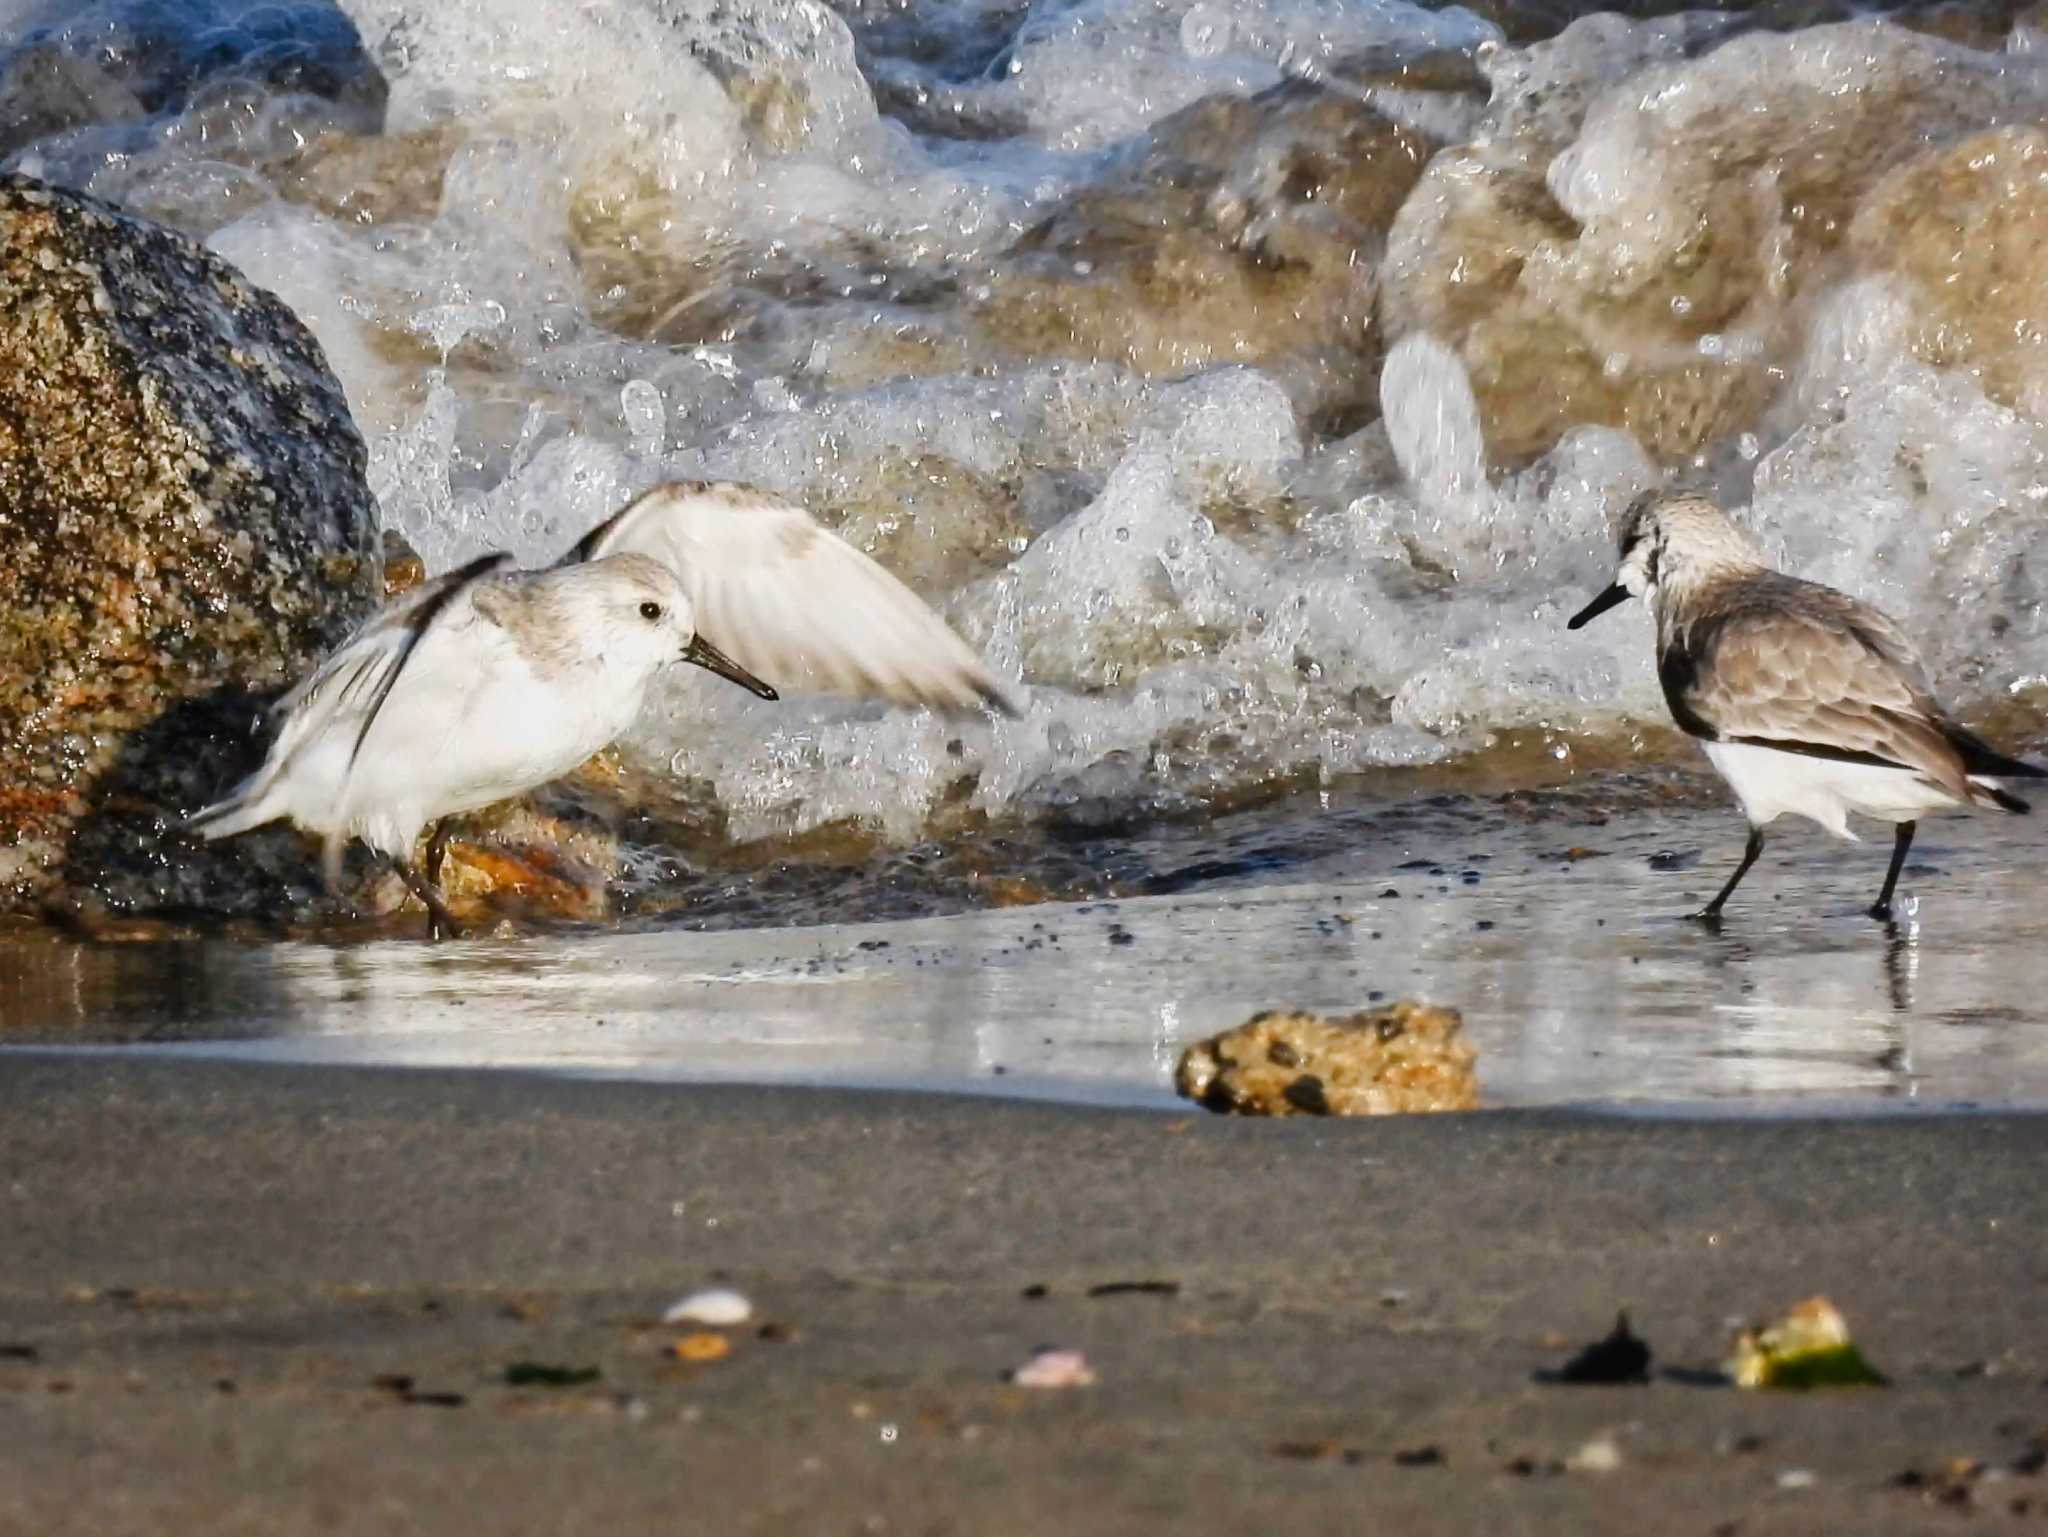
pixel 1806 700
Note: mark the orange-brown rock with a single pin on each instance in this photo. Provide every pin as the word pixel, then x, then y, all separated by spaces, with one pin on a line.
pixel 524 864
pixel 1406 1057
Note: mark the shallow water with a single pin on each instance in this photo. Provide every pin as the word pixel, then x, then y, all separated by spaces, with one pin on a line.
pixel 1561 939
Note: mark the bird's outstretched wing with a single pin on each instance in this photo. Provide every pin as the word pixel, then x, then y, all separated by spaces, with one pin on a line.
pixel 1821 674
pixel 795 603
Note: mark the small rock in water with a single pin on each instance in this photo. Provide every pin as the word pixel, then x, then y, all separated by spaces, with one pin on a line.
pixel 403 568
pixel 1405 1057
pixel 717 1306
pixel 1051 1367
pixel 539 1374
pixel 1951 1483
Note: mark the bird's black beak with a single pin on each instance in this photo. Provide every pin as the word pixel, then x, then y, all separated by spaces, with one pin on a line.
pixel 1600 605
pixel 711 659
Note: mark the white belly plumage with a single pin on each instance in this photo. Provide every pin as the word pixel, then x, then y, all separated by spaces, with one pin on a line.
pixel 1771 784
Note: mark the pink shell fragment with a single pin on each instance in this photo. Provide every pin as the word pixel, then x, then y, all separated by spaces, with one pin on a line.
pixel 1054 1369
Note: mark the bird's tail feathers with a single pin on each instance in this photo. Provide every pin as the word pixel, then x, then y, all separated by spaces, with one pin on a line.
pixel 1983 761
pixel 245 806
pixel 1984 790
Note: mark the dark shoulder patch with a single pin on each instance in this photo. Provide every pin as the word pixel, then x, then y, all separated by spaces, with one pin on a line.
pixel 585 549
pixel 1678 669
pixel 432 601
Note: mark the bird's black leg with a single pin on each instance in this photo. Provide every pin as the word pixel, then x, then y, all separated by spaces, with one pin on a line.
pixel 1902 840
pixel 437 851
pixel 426 884
pixel 1711 913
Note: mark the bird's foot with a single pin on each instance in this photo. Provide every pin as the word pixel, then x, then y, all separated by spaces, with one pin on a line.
pixel 1881 911
pixel 1706 917
pixel 441 923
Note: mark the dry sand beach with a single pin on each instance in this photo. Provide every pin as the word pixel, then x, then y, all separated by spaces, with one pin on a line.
pixel 256 1299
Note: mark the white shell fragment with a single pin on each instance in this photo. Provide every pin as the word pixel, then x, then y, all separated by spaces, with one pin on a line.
pixel 718 1306
pixel 1599 1455
pixel 1053 1368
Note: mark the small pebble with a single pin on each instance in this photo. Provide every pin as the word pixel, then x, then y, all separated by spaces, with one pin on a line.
pixel 1054 1368
pixel 1599 1455
pixel 1796 1478
pixel 701 1347
pixel 717 1307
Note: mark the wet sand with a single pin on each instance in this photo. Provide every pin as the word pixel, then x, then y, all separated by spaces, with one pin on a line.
pixel 208 1265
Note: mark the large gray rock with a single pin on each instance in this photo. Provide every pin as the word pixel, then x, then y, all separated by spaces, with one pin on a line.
pixel 184 525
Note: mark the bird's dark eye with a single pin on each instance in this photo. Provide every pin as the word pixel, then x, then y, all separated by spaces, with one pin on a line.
pixel 650 610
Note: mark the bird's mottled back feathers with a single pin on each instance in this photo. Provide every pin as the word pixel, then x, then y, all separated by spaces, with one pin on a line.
pixel 1778 662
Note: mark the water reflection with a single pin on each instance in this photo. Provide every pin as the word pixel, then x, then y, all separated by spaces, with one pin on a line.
pixel 1579 977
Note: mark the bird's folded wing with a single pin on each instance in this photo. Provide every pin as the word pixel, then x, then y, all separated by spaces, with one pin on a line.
pixel 794 603
pixel 1831 686
pixel 348 689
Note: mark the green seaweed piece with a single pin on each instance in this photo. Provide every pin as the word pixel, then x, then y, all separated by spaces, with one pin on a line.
pixel 1832 1366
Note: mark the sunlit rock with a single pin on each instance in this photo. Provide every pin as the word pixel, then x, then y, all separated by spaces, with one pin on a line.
pixel 1967 223
pixel 1246 230
pixel 1406 1057
pixel 1645 276
pixel 934 523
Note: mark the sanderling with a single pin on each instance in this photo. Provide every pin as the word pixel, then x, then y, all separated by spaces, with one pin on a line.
pixel 471 688
pixel 795 603
pixel 1804 699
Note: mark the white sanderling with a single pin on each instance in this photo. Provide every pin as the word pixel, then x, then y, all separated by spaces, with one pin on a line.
pixel 1807 701
pixel 470 688
pixel 488 682
pixel 795 603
